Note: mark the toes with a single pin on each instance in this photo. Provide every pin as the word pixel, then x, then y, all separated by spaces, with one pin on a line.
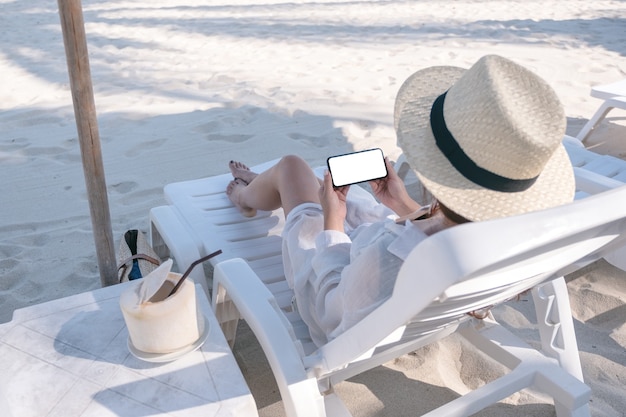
pixel 238 166
pixel 230 187
pixel 241 172
pixel 234 183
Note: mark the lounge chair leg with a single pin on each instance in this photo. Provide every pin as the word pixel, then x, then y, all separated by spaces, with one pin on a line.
pixel 556 328
pixel 227 314
pixel 599 115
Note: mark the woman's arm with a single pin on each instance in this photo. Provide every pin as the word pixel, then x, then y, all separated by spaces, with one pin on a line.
pixel 333 201
pixel 349 284
pixel 391 192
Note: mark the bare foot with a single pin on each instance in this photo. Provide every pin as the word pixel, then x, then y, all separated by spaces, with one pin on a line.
pixel 232 191
pixel 241 171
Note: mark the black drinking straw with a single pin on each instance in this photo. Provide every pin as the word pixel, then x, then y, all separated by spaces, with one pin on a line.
pixel 192 266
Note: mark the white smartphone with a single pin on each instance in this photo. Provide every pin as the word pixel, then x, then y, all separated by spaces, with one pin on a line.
pixel 357 167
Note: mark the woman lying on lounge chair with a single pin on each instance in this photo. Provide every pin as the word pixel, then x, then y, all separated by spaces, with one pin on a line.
pixel 485 142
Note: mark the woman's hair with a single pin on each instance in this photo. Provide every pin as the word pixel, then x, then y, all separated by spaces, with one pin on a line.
pixel 436 205
pixel 458 219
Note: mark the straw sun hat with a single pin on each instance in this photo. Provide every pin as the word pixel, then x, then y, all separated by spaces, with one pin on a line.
pixel 501 128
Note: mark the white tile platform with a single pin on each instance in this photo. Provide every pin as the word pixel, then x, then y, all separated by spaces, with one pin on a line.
pixel 69 358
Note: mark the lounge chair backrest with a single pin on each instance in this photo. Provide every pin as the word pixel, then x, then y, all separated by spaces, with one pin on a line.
pixel 476 265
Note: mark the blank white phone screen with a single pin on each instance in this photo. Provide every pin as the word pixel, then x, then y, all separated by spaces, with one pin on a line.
pixel 357 167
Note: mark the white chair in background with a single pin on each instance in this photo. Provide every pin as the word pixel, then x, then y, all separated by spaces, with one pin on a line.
pixel 613 96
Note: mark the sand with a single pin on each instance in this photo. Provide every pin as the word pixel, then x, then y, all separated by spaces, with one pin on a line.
pixel 183 86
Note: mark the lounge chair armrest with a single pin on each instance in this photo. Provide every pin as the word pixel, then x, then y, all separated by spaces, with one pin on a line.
pixel 167 228
pixel 593 183
pixel 256 304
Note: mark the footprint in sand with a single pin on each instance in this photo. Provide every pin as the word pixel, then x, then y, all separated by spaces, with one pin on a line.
pixel 68 157
pixel 317 141
pixel 8 268
pixel 27 290
pixel 213 126
pixel 124 187
pixel 14 144
pixel 144 146
pixel 141 196
pixel 31 240
pixel 214 130
pixel 228 138
pixel 10 251
pixel 84 280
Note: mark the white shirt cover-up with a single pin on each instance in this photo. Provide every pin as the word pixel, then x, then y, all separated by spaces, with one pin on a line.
pixel 339 278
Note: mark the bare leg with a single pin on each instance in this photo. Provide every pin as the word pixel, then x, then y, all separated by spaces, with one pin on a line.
pixel 287 184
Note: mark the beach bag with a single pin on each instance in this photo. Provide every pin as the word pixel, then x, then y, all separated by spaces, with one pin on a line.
pixel 135 256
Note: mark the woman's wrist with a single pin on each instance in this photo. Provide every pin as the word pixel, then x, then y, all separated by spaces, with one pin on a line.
pixel 406 207
pixel 332 223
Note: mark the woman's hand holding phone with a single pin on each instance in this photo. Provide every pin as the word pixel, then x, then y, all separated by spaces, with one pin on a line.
pixel 372 166
pixel 392 192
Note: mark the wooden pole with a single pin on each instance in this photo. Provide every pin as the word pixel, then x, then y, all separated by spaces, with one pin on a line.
pixel 75 41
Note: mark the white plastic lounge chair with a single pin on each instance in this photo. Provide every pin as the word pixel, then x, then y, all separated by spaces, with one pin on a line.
pixel 614 96
pixel 253 287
